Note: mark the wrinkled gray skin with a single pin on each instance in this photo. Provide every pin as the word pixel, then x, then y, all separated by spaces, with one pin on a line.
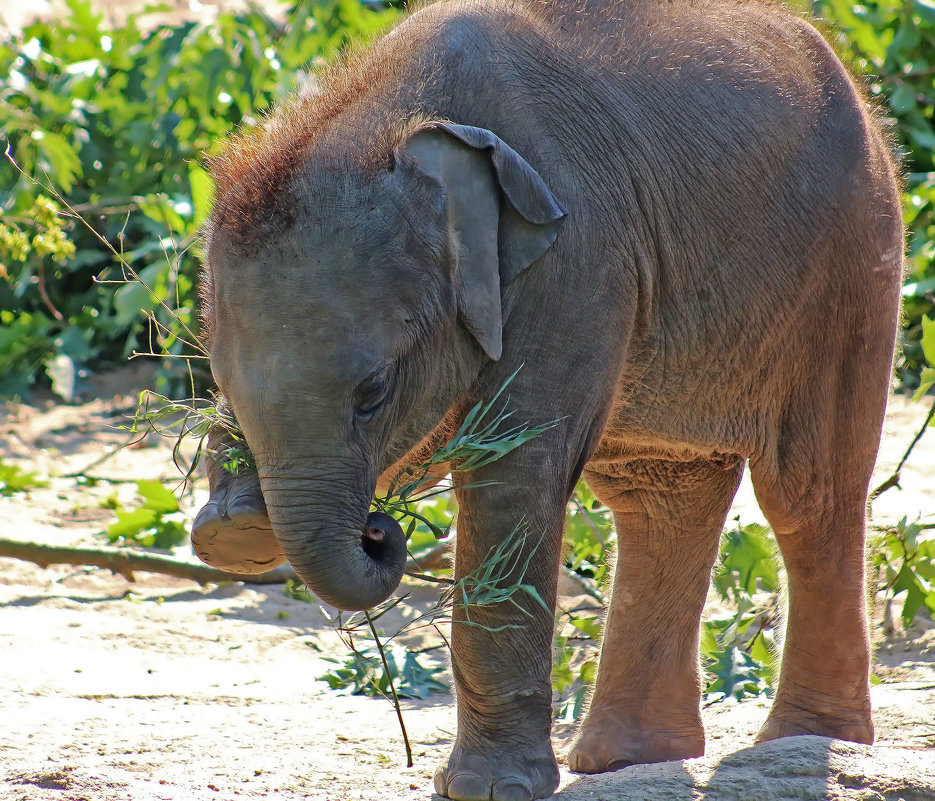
pixel 722 291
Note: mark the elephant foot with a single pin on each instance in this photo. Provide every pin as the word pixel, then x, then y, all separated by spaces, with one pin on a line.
pixel 232 531
pixel 790 719
pixel 508 775
pixel 606 744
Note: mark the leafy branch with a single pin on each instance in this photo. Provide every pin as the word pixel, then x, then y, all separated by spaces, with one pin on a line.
pixel 479 441
pixel 904 558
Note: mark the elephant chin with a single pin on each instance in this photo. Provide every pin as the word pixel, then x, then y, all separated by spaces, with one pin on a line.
pixel 351 569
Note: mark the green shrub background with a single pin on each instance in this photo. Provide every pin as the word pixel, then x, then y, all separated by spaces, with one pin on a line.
pixel 116 120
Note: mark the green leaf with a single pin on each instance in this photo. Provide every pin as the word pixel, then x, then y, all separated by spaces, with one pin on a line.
pixel 135 298
pixel 923 138
pixel 588 672
pixel 417 680
pixel 925 9
pixel 708 642
pixel 903 99
pixel 362 673
pixel 202 189
pixel 74 342
pixel 748 561
pixel 84 19
pixel 157 497
pixel 168 533
pixel 298 591
pixel 735 673
pixel 589 625
pixel 928 340
pixel 917 591
pixel 926 382
pixel 131 524
pixel 63 163
pixel 158 208
pixel 15 479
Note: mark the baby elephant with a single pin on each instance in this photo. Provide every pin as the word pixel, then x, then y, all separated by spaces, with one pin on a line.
pixel 679 219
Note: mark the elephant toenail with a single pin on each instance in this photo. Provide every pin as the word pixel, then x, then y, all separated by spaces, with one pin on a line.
pixel 580 762
pixel 468 787
pixel 511 788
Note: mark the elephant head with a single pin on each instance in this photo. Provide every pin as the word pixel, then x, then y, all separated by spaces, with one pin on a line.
pixel 346 331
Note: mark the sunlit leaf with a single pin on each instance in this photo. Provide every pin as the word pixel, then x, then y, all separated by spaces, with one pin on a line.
pixel 15 479
pixel 748 561
pixel 202 188
pixel 157 497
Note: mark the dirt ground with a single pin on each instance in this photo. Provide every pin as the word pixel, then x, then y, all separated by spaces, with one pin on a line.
pixel 164 689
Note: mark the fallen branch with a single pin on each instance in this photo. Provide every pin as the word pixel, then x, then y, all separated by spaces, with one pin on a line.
pixel 124 561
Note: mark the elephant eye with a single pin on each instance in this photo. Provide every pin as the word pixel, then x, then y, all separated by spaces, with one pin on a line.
pixel 371 394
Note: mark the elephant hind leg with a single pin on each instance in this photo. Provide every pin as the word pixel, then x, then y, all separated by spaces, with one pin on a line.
pixel 812 487
pixel 823 684
pixel 646 703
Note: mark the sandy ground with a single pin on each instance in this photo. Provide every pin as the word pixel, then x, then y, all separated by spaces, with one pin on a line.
pixel 163 689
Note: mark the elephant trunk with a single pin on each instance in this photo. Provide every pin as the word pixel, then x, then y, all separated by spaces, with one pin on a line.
pixel 350 559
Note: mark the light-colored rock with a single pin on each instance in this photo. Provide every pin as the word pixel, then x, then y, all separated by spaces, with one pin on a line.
pixel 793 769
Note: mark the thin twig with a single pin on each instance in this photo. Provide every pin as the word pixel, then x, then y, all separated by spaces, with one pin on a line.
pixel 89 477
pixel 893 480
pixel 389 678
pixel 441 634
pixel 83 472
pixel 586 585
pixel 919 526
pixel 43 293
pixel 431 579
pixel 123 561
pixel 590 522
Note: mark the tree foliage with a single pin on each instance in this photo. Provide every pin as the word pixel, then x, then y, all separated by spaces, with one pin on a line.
pixel 116 120
pixel 892 43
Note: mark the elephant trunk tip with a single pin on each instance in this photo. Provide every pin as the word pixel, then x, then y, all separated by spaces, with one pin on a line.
pixel 374 573
pixel 383 537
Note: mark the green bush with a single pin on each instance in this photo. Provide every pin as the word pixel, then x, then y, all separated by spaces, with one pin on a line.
pixel 893 43
pixel 116 121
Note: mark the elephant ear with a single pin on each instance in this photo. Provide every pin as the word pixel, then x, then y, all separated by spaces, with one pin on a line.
pixel 492 241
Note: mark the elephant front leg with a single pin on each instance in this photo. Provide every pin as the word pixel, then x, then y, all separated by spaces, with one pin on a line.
pixel 502 653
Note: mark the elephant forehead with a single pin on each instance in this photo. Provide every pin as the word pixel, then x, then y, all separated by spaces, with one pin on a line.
pixel 351 346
